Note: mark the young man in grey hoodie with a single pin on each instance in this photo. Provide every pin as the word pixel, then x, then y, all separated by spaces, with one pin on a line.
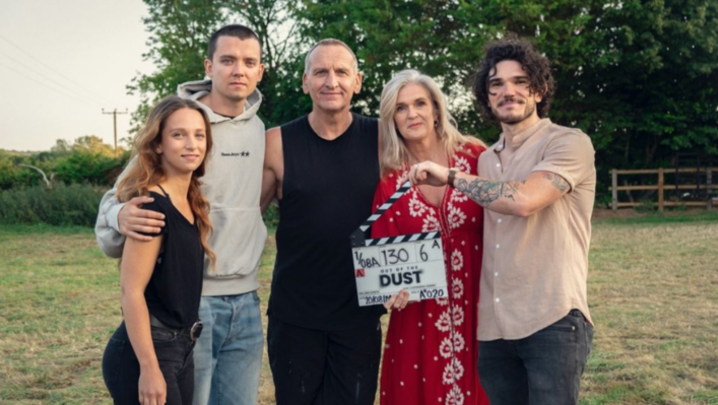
pixel 228 354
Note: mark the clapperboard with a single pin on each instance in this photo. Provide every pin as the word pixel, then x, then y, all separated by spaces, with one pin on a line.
pixel 385 266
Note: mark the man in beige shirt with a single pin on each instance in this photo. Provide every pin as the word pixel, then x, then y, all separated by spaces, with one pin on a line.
pixel 538 186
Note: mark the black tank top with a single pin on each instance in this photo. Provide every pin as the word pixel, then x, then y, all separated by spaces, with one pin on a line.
pixel 327 193
pixel 174 290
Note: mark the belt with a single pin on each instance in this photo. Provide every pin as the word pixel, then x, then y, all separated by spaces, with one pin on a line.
pixel 193 331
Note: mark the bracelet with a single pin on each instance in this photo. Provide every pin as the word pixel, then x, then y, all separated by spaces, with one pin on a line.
pixel 451 178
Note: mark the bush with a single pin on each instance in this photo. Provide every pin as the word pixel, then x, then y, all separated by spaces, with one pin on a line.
pixel 74 204
pixel 95 168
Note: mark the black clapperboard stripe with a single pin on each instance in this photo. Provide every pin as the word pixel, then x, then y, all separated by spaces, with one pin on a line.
pixel 358 236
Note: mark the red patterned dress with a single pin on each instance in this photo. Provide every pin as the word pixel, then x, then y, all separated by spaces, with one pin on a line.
pixel 431 348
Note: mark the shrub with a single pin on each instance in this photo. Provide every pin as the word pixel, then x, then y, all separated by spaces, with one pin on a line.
pixel 74 204
pixel 84 167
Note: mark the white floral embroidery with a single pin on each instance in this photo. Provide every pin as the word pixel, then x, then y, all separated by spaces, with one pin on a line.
pixel 431 223
pixel 443 301
pixel 452 372
pixel 457 260
pixel 399 176
pixel 462 164
pixel 456 217
pixel 455 397
pixel 457 315
pixel 457 287
pixel 444 321
pixel 416 207
pixel 458 369
pixel 459 342
pixel 448 376
pixel 445 348
pixel 458 196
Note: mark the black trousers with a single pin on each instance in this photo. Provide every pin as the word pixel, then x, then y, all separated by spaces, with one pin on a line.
pixel 121 370
pixel 313 367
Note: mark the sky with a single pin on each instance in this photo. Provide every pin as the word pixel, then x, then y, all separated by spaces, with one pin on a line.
pixel 62 63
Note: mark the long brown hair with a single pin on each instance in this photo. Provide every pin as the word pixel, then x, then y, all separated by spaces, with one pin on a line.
pixel 148 172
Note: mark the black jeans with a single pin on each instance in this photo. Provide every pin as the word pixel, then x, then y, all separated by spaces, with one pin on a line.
pixel 542 369
pixel 313 367
pixel 121 370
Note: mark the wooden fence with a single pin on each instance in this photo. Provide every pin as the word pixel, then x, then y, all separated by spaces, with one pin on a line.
pixel 661 187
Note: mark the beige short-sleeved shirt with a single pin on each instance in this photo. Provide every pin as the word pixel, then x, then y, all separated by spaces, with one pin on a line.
pixel 535 268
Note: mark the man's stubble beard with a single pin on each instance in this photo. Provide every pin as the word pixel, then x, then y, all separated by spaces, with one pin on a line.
pixel 513 119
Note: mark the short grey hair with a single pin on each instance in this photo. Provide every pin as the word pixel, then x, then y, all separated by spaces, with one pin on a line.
pixel 329 42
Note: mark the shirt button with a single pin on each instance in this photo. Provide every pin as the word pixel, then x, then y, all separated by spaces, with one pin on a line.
pixel 497 246
pixel 499 220
pixel 497 299
pixel 498 164
pixel 496 274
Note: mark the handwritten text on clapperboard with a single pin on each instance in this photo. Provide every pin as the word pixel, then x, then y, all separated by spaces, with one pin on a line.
pixel 415 266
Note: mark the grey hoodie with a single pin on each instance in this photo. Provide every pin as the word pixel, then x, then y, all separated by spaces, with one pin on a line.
pixel 232 184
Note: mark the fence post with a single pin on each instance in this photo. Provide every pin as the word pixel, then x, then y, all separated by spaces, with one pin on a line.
pixel 709 187
pixel 660 189
pixel 614 189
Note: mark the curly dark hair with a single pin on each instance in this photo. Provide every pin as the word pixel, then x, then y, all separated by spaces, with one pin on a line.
pixel 533 63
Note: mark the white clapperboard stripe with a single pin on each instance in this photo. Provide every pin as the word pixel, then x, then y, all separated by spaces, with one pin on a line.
pixel 395 239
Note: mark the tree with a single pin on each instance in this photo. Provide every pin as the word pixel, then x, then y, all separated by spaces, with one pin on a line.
pixel 178 46
pixel 92 144
pixel 179 32
pixel 635 75
pixel 439 38
pixel 273 22
pixel 644 93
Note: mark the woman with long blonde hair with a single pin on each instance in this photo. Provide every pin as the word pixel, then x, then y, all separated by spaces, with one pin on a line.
pixel 431 347
pixel 149 357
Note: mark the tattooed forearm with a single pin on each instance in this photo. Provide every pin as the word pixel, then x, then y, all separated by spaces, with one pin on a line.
pixel 484 192
pixel 557 181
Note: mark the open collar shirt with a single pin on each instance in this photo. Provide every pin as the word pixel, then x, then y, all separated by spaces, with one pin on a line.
pixel 535 268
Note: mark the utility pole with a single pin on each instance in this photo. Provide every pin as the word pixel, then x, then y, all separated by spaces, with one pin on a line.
pixel 114 118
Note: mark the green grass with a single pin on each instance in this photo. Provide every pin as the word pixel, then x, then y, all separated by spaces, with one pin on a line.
pixel 667 217
pixel 653 293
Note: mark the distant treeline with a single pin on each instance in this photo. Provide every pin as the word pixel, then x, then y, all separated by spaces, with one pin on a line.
pixel 63 186
pixel 86 161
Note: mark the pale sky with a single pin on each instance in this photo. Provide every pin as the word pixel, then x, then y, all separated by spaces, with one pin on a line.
pixel 61 63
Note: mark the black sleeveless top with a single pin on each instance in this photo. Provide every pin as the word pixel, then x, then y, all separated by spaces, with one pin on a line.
pixel 327 193
pixel 175 288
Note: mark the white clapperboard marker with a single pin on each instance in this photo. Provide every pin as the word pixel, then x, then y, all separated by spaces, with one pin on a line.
pixel 385 266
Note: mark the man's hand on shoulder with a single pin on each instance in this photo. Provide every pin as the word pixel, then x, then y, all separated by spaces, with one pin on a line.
pixel 132 219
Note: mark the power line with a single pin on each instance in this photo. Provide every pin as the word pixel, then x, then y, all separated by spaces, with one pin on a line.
pixel 46 85
pixel 55 82
pixel 51 69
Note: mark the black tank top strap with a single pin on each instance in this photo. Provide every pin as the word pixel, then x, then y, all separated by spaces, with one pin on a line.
pixel 166 194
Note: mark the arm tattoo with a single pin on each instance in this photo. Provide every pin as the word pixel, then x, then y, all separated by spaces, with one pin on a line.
pixel 557 181
pixel 484 192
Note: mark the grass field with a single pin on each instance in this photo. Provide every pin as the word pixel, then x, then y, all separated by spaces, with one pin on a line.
pixel 653 292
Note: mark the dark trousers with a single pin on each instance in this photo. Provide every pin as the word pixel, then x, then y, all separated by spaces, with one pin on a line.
pixel 121 370
pixel 542 369
pixel 312 367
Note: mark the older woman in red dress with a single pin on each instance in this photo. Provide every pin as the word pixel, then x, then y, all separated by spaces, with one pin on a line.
pixel 431 347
